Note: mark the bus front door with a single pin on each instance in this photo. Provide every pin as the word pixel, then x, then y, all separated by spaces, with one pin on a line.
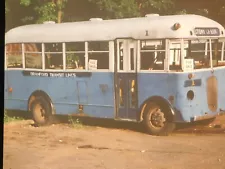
pixel 126 79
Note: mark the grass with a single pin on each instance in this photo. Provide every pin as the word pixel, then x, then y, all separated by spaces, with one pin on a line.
pixel 75 123
pixel 8 118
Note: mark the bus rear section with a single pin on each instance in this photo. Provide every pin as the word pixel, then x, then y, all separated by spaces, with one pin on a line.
pixel 199 95
pixel 184 85
pixel 201 91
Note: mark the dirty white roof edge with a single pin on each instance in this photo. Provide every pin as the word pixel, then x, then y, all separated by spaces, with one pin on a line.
pixel 155 26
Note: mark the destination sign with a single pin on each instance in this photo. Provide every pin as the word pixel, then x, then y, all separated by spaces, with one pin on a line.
pixel 207 32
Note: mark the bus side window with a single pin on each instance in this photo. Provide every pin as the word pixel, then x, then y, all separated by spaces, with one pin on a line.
pixel 221 54
pixel 53 56
pixel 98 52
pixel 33 55
pixel 14 55
pixel 152 55
pixel 75 55
pixel 175 58
pixel 199 51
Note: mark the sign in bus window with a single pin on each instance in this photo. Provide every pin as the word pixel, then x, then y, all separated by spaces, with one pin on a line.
pixel 92 64
pixel 188 64
pixel 99 51
pixel 33 55
pixel 14 55
pixel 53 56
pixel 75 55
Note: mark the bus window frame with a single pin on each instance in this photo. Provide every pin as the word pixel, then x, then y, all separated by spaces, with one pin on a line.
pixel 181 43
pixel 24 52
pixel 6 58
pixel 222 59
pixel 208 41
pixel 87 56
pixel 65 52
pixel 43 53
pixel 139 56
pixel 61 52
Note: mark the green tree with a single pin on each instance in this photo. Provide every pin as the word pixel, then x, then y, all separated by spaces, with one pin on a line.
pixel 6 7
pixel 162 7
pixel 133 8
pixel 116 8
pixel 213 9
pixel 50 10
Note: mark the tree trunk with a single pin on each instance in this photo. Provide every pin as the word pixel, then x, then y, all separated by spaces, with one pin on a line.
pixel 59 3
pixel 59 16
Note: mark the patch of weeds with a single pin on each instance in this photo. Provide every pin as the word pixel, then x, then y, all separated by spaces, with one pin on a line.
pixel 8 119
pixel 75 123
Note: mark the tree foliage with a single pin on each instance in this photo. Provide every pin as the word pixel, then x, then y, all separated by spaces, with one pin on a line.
pixel 116 8
pixel 156 6
pixel 22 12
pixel 49 10
pixel 131 8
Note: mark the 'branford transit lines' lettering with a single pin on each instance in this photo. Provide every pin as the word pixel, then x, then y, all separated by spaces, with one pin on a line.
pixel 70 74
pixel 56 74
pixel 51 74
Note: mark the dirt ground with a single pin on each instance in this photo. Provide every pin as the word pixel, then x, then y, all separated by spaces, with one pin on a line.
pixel 112 145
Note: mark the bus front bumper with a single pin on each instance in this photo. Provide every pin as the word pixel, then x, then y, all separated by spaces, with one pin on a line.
pixel 207 116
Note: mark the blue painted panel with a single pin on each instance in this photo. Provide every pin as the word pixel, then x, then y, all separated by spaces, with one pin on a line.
pixel 220 74
pixel 82 92
pixel 173 84
pixel 64 91
pixel 15 104
pixel 98 95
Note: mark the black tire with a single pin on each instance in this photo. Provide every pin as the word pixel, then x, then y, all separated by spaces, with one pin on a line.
pixel 156 121
pixel 41 112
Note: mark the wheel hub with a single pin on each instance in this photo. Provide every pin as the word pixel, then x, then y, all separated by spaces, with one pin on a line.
pixel 40 110
pixel 157 118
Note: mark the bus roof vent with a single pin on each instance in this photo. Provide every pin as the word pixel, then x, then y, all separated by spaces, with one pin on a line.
pixel 95 19
pixel 49 22
pixel 151 15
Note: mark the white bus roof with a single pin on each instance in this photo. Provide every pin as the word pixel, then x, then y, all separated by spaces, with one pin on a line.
pixel 149 27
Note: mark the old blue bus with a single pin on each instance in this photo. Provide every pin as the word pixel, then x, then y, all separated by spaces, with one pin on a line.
pixel 157 70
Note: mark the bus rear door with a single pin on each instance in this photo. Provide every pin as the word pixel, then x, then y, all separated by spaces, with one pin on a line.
pixel 126 79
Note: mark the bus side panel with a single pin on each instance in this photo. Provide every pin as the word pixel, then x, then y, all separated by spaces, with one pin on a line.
pixel 17 98
pixel 95 93
pixel 189 108
pixel 178 85
pixel 220 75
pixel 157 84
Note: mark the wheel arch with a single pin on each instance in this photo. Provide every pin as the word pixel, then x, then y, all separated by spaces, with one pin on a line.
pixel 159 100
pixel 40 93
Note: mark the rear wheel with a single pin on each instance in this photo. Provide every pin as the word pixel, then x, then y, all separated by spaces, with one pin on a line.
pixel 157 121
pixel 41 111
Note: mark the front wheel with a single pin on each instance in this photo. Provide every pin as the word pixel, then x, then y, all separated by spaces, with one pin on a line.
pixel 157 121
pixel 41 112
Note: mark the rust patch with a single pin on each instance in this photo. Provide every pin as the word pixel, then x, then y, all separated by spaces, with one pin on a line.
pixel 212 93
pixel 79 114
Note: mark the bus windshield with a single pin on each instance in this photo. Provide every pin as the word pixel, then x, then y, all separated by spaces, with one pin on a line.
pixel 203 53
pixel 204 50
